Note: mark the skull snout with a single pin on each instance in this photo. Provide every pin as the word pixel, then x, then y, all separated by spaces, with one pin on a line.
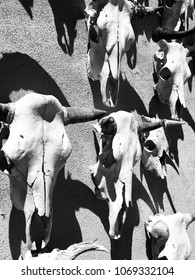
pixel 165 73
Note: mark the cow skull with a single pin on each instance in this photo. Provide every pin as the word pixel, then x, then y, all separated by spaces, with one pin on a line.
pixel 36 149
pixel 169 235
pixel 155 145
pixel 173 72
pixel 110 35
pixel 120 150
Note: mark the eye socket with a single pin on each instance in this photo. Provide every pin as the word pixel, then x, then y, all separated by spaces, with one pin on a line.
pixel 165 73
pixel 108 126
pixel 149 145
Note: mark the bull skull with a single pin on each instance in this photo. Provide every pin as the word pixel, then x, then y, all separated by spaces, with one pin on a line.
pixel 120 149
pixel 155 145
pixel 110 35
pixel 169 235
pixel 35 151
pixel 173 72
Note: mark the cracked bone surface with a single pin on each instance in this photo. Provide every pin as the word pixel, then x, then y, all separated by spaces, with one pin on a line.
pixel 119 151
pixel 69 254
pixel 173 72
pixel 36 149
pixel 170 239
pixel 155 145
pixel 110 35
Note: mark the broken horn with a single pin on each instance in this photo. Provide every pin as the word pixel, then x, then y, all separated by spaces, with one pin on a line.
pixel 163 33
pixel 148 126
pixel 6 112
pixel 78 115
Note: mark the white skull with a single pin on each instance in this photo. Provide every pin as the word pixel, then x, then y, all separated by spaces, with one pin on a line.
pixel 173 72
pixel 110 36
pixel 120 149
pixel 169 235
pixel 36 149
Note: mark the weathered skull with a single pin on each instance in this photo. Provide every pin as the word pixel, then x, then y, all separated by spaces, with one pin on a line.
pixel 173 72
pixel 36 149
pixel 110 36
pixel 155 145
pixel 120 149
pixel 169 235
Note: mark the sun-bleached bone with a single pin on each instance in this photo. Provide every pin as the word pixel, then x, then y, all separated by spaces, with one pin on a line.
pixel 36 149
pixel 119 151
pixel 155 145
pixel 110 35
pixel 173 72
pixel 170 239
pixel 69 254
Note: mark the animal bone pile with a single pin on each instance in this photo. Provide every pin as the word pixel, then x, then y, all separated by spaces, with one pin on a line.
pixel 36 145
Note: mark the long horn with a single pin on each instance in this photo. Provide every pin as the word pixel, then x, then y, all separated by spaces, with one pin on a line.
pixel 148 126
pixel 163 33
pixel 142 11
pixel 6 112
pixel 78 115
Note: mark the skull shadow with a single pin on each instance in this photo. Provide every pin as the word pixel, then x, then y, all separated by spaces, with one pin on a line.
pixel 66 14
pixel 142 27
pixel 128 99
pixel 69 195
pixel 156 108
pixel 19 71
pixel 157 188
pixel 28 5
pixel 121 249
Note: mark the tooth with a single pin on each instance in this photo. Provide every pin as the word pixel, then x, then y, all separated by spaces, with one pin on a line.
pixel 34 247
pixel 43 244
pixel 28 255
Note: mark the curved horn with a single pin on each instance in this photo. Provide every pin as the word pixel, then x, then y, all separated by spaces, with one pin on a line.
pixel 162 33
pixel 6 112
pixel 141 11
pixel 79 115
pixel 148 126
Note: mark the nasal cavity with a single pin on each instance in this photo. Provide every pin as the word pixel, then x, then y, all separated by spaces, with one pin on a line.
pixel 165 73
pixel 149 145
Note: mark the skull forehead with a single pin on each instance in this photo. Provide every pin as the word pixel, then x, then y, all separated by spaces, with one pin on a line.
pixel 37 124
pixel 114 24
pixel 159 138
pixel 123 119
